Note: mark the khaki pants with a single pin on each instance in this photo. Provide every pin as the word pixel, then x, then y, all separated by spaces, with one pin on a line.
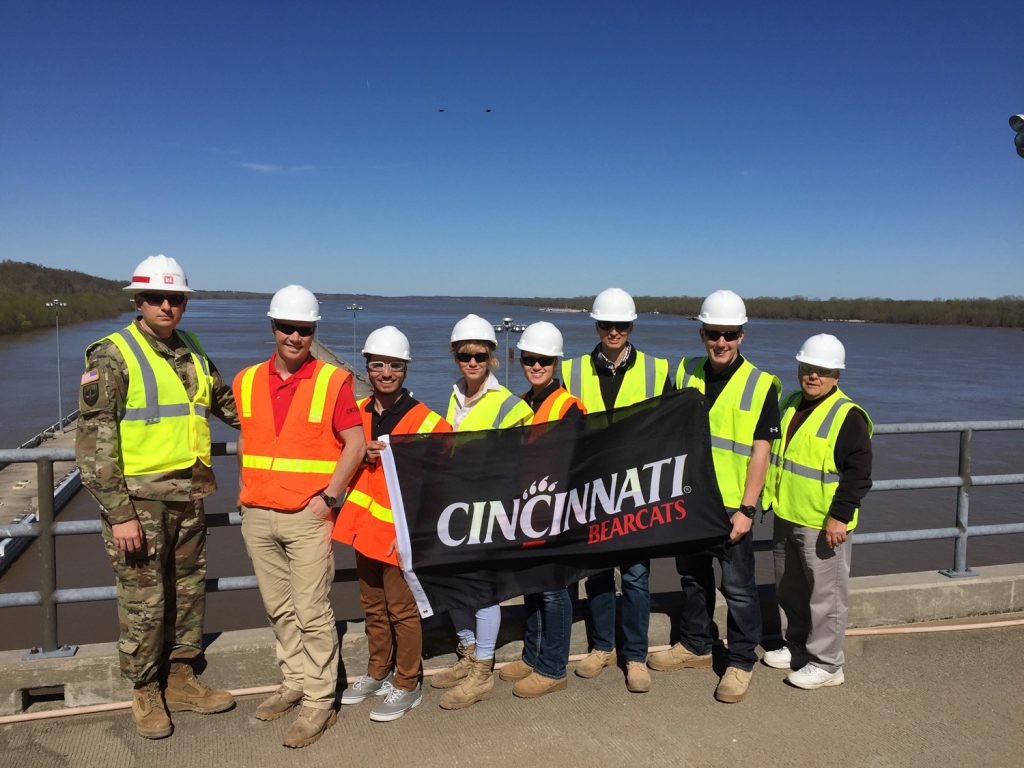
pixel 294 566
pixel 394 637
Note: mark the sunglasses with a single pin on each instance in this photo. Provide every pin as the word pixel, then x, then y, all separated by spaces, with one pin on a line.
pixel 157 299
pixel 465 357
pixel 531 360
pixel 825 373
pixel 288 329
pixel 713 335
pixel 607 325
pixel 379 365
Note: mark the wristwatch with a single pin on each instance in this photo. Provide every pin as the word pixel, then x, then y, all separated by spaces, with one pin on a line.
pixel 330 501
pixel 748 510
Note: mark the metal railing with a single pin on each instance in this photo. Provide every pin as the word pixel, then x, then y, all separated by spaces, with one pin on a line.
pixel 49 597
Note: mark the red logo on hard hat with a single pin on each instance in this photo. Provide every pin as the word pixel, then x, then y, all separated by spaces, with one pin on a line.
pixel 168 279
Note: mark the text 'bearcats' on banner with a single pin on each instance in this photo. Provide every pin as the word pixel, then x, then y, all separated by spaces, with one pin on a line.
pixel 485 516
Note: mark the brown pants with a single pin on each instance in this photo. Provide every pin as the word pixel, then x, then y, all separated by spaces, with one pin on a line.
pixel 393 634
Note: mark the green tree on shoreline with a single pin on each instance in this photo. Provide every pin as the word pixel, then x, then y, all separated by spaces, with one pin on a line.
pixel 25 288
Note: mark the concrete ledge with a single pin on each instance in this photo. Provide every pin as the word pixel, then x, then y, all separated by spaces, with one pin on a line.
pixel 911 597
pixel 245 659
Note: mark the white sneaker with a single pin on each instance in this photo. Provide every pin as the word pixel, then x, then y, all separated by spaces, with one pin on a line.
pixel 778 659
pixel 812 676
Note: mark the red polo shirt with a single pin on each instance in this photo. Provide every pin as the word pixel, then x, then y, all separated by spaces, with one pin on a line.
pixel 282 392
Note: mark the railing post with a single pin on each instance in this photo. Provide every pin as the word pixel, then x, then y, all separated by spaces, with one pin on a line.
pixel 963 494
pixel 47 554
pixel 47 566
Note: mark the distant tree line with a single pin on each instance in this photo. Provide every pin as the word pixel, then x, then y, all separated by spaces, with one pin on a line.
pixel 1004 312
pixel 25 288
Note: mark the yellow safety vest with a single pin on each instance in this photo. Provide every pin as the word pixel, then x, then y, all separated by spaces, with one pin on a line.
pixel 497 409
pixel 733 418
pixel 161 429
pixel 644 380
pixel 802 475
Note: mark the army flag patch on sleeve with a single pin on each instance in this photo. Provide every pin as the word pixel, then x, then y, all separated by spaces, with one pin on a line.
pixel 90 376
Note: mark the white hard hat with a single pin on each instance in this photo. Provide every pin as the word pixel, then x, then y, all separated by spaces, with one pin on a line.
pixel 159 273
pixel 293 302
pixel 823 350
pixel 723 308
pixel 388 342
pixel 542 339
pixel 474 328
pixel 614 304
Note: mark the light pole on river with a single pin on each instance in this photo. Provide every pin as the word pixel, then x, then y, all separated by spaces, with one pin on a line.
pixel 355 308
pixel 56 305
pixel 508 324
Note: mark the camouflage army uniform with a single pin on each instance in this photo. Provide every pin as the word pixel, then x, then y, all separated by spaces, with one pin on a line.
pixel 161 591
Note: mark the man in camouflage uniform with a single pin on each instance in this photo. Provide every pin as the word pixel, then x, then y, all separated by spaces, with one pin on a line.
pixel 143 446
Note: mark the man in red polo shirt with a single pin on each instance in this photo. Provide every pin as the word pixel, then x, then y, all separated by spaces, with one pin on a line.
pixel 301 442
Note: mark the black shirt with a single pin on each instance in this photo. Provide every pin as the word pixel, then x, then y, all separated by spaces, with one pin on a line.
pixel 384 423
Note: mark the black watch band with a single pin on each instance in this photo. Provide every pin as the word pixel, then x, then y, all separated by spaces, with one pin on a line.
pixel 748 510
pixel 330 501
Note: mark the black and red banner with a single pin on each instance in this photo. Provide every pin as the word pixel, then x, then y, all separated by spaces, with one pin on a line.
pixel 485 516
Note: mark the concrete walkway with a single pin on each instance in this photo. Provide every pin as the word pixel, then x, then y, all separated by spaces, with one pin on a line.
pixel 932 700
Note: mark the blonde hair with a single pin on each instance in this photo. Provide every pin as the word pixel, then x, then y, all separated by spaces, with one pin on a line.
pixel 461 346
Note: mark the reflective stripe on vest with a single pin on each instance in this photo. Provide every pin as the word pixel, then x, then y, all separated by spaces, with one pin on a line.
pixel 642 381
pixel 497 409
pixel 555 406
pixel 153 410
pixel 367 502
pixel 733 419
pixel 802 476
pixel 161 429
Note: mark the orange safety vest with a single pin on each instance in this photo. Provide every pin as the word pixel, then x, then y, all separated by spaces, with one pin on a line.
pixel 285 471
pixel 365 521
pixel 556 405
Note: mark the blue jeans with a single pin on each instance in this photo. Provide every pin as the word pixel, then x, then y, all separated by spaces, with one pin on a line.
pixel 739 586
pixel 548 628
pixel 636 609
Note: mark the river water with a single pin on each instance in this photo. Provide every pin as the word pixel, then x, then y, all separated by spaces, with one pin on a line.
pixel 899 373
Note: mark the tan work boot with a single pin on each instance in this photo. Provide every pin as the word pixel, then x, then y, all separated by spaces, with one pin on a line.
pixel 278 703
pixel 457 672
pixel 733 685
pixel 149 712
pixel 476 687
pixel 638 679
pixel 534 685
pixel 308 727
pixel 515 670
pixel 594 663
pixel 678 657
pixel 187 693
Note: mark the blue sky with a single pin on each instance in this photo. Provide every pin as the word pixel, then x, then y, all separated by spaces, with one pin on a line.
pixel 783 148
